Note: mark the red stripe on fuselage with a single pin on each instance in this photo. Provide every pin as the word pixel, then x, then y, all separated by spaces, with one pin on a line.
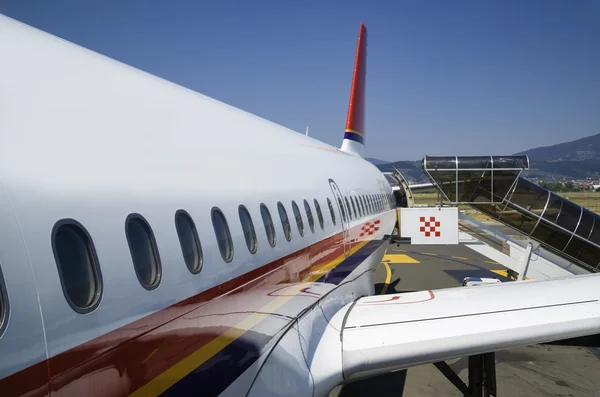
pixel 125 359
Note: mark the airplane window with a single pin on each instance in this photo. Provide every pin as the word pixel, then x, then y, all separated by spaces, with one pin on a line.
pixel 144 251
pixel 189 241
pixel 309 216
pixel 223 235
pixel 77 264
pixel 248 228
pixel 348 206
pixel 353 207
pixel 319 214
pixel 342 208
pixel 268 222
pixel 331 210
pixel 3 304
pixel 298 217
pixel 285 222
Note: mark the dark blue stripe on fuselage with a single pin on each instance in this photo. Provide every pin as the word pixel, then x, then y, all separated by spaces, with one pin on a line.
pixel 341 271
pixel 219 371
pixel 354 137
pixel 222 369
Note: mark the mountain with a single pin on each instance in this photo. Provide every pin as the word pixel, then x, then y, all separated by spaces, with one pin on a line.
pixel 578 159
pixel 578 150
pixel 375 161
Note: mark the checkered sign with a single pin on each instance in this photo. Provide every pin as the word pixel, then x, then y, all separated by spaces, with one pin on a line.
pixel 369 228
pixel 430 226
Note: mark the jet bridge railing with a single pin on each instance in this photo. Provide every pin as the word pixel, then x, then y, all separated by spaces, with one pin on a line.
pixel 557 223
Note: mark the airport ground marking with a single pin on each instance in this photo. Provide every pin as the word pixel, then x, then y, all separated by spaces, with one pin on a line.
pixel 398 259
pixel 504 273
pixel 388 278
pixel 492 263
pixel 428 253
pixel 459 257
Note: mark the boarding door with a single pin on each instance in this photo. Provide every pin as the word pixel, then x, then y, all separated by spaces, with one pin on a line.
pixel 342 215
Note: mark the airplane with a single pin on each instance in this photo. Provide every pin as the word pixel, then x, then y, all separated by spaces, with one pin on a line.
pixel 130 265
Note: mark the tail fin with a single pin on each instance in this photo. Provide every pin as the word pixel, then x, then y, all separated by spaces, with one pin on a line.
pixel 354 138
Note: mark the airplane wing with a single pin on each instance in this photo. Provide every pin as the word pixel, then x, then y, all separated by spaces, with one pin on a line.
pixel 387 332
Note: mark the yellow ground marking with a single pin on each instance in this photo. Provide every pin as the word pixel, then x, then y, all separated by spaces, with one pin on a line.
pixel 492 262
pixel 178 371
pixel 388 278
pixel 504 273
pixel 398 258
pixel 427 253
pixel 459 257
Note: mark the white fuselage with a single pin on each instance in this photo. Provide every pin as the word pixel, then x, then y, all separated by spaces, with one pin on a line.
pixel 87 138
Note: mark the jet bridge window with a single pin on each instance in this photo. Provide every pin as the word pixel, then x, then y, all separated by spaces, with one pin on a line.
pixel 319 214
pixel 268 222
pixel 298 217
pixel 331 210
pixel 353 201
pixel 309 216
pixel 223 234
pixel 189 241
pixel 77 265
pixel 248 228
pixel 362 204
pixel 144 251
pixel 285 222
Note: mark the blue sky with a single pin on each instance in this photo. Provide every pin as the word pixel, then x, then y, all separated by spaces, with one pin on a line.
pixel 446 77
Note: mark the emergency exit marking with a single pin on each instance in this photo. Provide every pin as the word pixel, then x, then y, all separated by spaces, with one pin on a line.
pixel 430 227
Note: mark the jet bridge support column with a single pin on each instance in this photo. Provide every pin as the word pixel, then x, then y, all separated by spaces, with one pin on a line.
pixel 482 376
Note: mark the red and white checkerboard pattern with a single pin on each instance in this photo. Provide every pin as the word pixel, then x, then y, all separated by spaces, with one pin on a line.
pixel 430 226
pixel 369 228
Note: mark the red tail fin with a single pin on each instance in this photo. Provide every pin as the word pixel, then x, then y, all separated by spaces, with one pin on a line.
pixel 355 123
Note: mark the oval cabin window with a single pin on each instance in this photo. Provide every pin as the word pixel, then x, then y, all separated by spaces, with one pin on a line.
pixel 319 214
pixel 285 222
pixel 331 212
pixel 248 228
pixel 3 304
pixel 309 216
pixel 298 217
pixel 223 235
pixel 77 265
pixel 144 251
pixel 342 209
pixel 357 206
pixel 348 206
pixel 189 241
pixel 268 223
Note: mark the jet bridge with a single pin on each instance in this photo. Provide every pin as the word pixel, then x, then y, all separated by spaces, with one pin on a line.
pixel 493 185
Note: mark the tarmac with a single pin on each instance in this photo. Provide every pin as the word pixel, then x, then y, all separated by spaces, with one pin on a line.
pixel 538 370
